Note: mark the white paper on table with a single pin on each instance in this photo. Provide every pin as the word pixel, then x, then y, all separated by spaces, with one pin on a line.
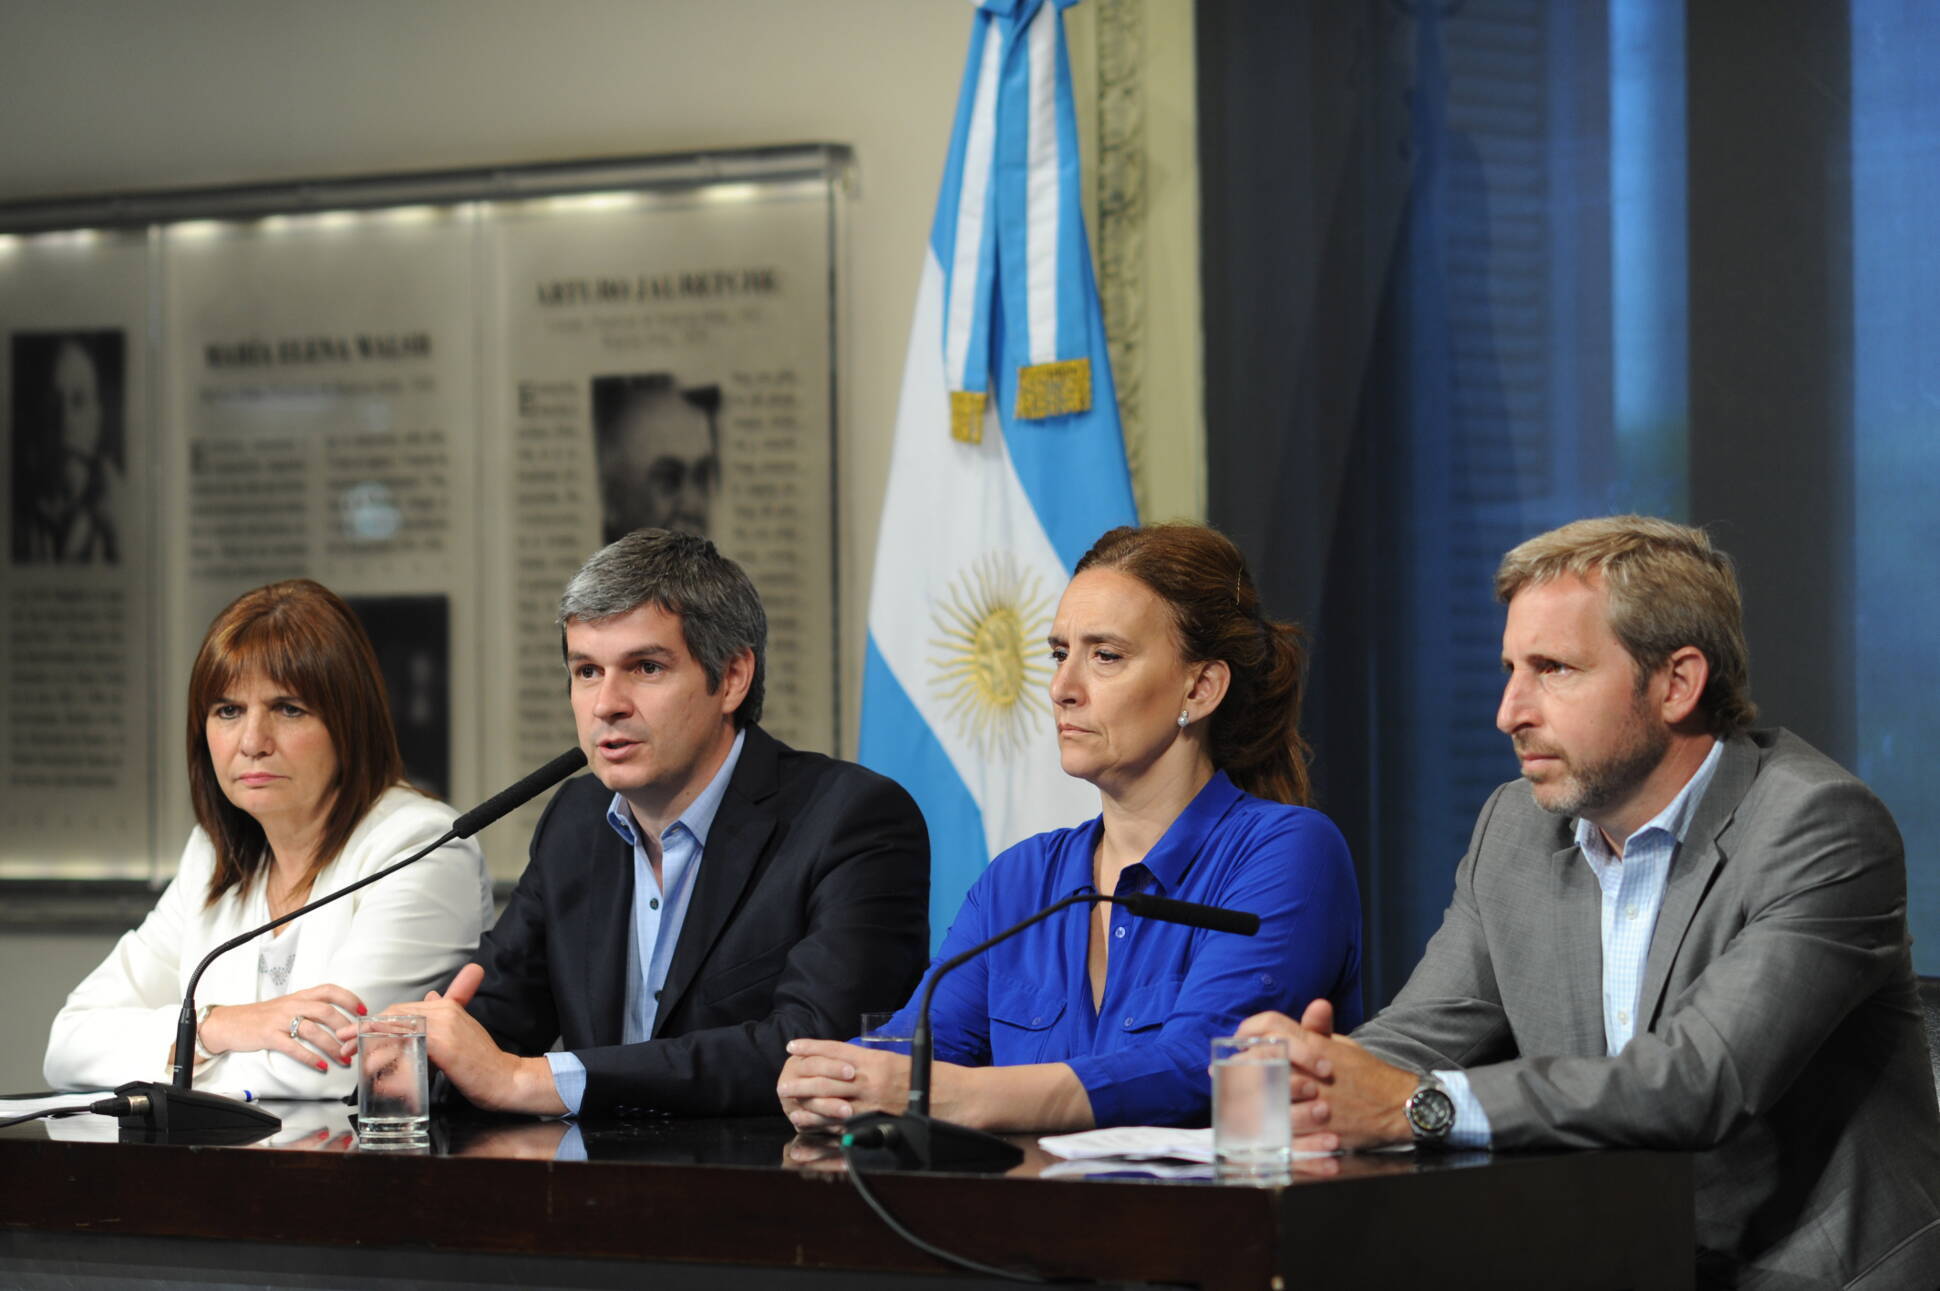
pixel 22 1106
pixel 1142 1143
pixel 1133 1143
pixel 83 1129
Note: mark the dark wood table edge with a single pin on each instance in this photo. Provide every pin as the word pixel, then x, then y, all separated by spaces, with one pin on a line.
pixel 770 1217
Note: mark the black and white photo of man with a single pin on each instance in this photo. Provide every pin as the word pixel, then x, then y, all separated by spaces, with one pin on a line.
pixel 68 450
pixel 659 453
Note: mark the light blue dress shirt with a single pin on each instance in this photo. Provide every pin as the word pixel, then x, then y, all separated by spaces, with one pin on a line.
pixel 659 909
pixel 1633 895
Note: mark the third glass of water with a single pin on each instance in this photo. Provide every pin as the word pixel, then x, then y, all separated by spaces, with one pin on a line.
pixel 1252 1111
pixel 393 1081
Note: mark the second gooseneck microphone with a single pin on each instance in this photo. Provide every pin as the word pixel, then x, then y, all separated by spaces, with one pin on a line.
pixel 916 1140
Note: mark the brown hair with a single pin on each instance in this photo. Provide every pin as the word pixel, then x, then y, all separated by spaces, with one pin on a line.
pixel 302 637
pixel 1201 576
pixel 1666 587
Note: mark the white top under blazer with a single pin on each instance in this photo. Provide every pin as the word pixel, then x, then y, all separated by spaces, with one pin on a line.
pixel 389 942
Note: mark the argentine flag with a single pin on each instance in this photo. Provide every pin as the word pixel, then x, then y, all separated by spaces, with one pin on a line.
pixel 1008 464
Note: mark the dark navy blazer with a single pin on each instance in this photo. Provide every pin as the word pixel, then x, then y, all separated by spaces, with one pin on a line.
pixel 810 906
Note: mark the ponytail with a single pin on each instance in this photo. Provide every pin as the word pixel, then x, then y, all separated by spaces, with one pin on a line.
pixel 1254 734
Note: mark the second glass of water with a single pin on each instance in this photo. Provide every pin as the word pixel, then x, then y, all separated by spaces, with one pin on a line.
pixel 1252 1109
pixel 876 1033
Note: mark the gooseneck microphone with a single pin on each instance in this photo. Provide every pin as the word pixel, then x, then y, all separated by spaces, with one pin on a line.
pixel 508 800
pixel 177 1109
pixel 1213 918
pixel 917 1141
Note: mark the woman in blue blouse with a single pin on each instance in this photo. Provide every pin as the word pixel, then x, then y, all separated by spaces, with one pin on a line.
pixel 1181 704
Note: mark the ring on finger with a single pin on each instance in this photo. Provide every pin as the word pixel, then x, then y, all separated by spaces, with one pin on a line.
pixel 296 1025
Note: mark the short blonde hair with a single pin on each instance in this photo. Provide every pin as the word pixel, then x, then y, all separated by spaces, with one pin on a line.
pixel 1667 588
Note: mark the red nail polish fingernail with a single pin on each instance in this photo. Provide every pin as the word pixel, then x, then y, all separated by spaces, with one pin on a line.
pixel 362 1010
pixel 323 1066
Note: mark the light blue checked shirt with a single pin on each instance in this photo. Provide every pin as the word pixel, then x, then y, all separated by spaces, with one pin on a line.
pixel 659 909
pixel 1633 894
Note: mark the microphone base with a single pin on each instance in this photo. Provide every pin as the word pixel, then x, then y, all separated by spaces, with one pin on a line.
pixel 880 1141
pixel 166 1114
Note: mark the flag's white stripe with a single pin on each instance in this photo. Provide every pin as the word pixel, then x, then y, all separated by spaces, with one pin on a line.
pixel 987 512
pixel 1044 201
pixel 966 297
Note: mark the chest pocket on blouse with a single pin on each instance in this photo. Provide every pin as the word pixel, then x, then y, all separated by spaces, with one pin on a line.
pixel 1143 1008
pixel 1024 1018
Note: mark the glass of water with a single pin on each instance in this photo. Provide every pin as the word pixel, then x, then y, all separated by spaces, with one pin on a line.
pixel 1252 1108
pixel 393 1082
pixel 876 1033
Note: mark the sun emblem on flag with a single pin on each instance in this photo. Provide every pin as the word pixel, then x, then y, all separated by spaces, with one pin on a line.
pixel 993 670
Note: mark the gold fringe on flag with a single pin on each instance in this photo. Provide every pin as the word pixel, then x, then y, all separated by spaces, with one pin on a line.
pixel 966 416
pixel 1053 389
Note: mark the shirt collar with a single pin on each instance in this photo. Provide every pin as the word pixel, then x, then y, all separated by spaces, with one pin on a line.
pixel 699 816
pixel 1674 819
pixel 1172 855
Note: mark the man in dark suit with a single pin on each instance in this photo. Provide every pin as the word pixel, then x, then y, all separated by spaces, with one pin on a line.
pixel 1672 932
pixel 707 895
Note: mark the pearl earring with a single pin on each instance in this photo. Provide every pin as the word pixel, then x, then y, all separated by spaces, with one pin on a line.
pixel 1185 715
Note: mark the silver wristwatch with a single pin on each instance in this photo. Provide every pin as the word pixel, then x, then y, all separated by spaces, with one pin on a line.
pixel 201 1016
pixel 1430 1111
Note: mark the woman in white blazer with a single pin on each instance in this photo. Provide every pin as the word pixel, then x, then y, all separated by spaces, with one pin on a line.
pixel 299 790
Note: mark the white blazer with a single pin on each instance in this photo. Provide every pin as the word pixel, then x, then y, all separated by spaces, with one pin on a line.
pixel 389 942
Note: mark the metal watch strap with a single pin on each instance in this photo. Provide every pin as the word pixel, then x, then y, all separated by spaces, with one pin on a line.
pixel 201 1016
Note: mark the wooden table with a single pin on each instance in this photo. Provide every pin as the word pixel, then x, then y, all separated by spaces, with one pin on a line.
pixel 745 1203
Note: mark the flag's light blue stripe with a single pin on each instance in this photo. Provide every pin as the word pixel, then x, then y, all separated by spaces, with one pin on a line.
pixel 968 300
pixel 1075 329
pixel 897 742
pixel 943 229
pixel 963 232
pixel 975 374
pixel 1011 180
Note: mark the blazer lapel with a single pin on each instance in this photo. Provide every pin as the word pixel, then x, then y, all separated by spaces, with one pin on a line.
pixel 609 931
pixel 231 979
pixel 322 933
pixel 1694 868
pixel 1579 937
pixel 735 844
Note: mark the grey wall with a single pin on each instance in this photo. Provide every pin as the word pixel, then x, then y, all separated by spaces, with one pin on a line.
pixel 39 970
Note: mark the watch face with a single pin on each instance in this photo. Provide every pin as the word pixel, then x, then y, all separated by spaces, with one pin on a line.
pixel 1431 1112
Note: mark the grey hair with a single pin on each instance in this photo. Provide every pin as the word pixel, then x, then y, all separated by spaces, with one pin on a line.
pixel 682 573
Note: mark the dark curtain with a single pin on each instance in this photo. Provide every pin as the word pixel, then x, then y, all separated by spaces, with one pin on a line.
pixel 1407 277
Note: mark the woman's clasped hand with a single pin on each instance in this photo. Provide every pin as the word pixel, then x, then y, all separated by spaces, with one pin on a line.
pixel 302 1024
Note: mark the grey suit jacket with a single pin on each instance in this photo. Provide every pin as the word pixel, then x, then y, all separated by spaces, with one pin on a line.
pixel 1779 1021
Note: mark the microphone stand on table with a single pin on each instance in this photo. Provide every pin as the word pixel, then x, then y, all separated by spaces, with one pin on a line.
pixel 915 1140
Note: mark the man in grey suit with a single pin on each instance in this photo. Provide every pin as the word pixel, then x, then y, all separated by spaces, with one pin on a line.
pixel 1673 932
